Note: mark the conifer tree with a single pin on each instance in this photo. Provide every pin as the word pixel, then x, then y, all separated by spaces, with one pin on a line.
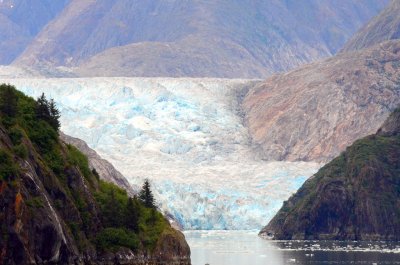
pixel 47 111
pixel 132 215
pixel 54 115
pixel 146 195
pixel 42 109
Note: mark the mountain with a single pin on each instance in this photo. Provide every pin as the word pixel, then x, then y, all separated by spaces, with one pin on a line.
pixel 104 168
pixel 385 26
pixel 21 21
pixel 55 210
pixel 315 111
pixel 195 38
pixel 354 197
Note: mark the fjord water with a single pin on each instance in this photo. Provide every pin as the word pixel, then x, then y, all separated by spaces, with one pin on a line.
pixel 246 248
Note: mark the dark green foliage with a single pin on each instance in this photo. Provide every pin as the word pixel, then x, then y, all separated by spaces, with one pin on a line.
pixel 35 202
pixel 46 110
pixel 54 115
pixel 76 158
pixel 8 100
pixel 112 201
pixel 146 195
pixel 15 135
pixel 43 136
pixel 112 238
pixel 8 169
pixel 21 151
pixel 132 215
pixel 120 211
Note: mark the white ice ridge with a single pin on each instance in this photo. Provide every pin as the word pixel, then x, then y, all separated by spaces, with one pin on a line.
pixel 186 136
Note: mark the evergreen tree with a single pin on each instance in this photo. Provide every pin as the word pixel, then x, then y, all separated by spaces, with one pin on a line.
pixel 146 195
pixel 8 100
pixel 111 211
pixel 42 108
pixel 46 110
pixel 132 215
pixel 54 115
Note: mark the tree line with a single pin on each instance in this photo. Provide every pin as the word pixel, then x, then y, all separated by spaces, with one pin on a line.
pixel 44 109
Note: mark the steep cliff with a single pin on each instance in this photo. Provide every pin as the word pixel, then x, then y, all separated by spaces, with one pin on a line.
pixel 55 210
pixel 384 27
pixel 314 112
pixel 354 197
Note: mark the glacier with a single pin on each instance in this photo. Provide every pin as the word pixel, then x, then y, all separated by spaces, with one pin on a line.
pixel 186 136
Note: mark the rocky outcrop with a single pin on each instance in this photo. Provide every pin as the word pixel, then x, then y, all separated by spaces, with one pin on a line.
pixel 104 168
pixel 314 112
pixel 240 39
pixel 384 27
pixel 354 197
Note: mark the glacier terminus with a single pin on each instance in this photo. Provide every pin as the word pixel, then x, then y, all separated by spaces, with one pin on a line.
pixel 186 136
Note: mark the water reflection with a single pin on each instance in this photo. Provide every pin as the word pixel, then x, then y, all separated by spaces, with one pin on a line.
pixel 246 248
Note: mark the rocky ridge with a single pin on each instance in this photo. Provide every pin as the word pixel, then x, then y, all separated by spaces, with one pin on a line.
pixel 315 111
pixel 241 39
pixel 384 27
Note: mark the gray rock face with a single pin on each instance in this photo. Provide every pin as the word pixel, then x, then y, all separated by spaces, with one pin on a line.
pixel 195 38
pixel 385 26
pixel 313 113
pixel 104 168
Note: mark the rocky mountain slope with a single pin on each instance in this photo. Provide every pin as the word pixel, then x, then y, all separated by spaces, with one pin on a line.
pixel 384 27
pixel 55 210
pixel 104 168
pixel 195 38
pixel 314 112
pixel 21 21
pixel 354 197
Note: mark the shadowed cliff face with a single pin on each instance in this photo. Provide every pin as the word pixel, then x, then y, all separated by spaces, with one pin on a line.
pixel 384 27
pixel 314 112
pixel 195 38
pixel 354 197
pixel 55 210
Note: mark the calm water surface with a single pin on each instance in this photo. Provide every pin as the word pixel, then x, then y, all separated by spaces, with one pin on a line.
pixel 246 248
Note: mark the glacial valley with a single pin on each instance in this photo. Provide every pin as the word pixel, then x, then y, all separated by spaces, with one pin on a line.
pixel 185 135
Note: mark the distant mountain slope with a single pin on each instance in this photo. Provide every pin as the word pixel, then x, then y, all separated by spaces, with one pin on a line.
pixel 20 22
pixel 386 26
pixel 314 112
pixel 195 38
pixel 354 197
